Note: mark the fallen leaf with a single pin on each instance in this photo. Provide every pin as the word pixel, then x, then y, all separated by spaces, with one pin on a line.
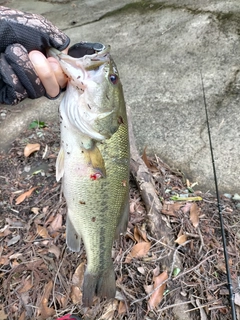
pixel 138 251
pixel 30 148
pixel 148 288
pixel 194 215
pixel 55 250
pixel 3 315
pixel 4 260
pixel 140 234
pixel 77 278
pixel 56 224
pixel 42 232
pixel 187 207
pixel 170 209
pixel 13 240
pixel 22 317
pixel 76 295
pixel 157 295
pixel 141 270
pixel 109 313
pixel 35 210
pixel 181 239
pixel 46 312
pixel 145 158
pixel 27 285
pixel 25 195
pixel 122 308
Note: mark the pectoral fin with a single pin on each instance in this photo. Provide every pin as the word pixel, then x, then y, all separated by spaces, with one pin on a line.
pixel 60 165
pixel 73 238
pixel 96 160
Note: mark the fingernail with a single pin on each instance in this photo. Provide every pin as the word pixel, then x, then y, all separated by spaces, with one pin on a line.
pixel 37 57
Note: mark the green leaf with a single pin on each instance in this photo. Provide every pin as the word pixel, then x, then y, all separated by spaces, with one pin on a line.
pixel 37 124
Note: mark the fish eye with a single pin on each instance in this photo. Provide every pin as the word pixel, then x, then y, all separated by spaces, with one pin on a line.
pixel 113 78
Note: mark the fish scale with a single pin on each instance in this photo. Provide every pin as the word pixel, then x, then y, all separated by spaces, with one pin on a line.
pixel 94 165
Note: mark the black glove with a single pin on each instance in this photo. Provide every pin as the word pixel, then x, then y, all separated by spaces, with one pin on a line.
pixel 21 33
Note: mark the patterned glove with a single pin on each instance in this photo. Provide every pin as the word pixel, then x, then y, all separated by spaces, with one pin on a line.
pixel 20 33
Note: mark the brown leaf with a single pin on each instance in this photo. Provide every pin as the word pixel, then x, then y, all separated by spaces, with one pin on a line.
pixel 122 308
pixel 3 315
pixel 46 312
pixel 76 295
pixel 30 148
pixel 157 295
pixel 78 275
pixel 109 313
pixel 194 215
pixel 140 234
pixel 187 207
pixel 170 209
pixel 145 158
pixel 22 317
pixel 25 195
pixel 138 251
pixel 56 224
pixel 42 232
pixel 55 250
pixel 181 239
pixel 27 285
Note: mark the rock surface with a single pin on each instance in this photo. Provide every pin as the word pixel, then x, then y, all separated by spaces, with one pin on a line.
pixel 160 48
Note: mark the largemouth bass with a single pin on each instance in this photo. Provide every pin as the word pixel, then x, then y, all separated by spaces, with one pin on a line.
pixel 93 162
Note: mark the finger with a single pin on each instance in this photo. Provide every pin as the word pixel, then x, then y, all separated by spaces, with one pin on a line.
pixel 45 73
pixel 60 76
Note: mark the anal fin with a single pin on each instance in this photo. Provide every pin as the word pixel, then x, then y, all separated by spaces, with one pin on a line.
pixel 73 238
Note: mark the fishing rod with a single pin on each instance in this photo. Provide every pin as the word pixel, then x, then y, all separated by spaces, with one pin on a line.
pixel 229 280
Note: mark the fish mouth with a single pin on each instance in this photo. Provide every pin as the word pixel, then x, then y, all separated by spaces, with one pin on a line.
pixel 85 55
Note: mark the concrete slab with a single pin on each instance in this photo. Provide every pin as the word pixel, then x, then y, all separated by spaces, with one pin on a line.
pixel 160 48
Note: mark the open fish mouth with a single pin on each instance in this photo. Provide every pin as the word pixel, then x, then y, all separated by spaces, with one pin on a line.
pixel 85 55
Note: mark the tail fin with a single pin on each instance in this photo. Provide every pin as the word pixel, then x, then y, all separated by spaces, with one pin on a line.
pixel 102 285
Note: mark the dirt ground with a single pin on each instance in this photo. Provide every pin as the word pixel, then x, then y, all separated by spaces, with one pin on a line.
pixel 41 279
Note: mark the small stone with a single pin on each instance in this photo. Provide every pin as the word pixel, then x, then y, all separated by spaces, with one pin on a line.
pixel 3 114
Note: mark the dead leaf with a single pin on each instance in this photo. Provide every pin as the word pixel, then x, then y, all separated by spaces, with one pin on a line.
pixel 194 215
pixel 30 148
pixel 140 234
pixel 78 275
pixel 181 239
pixel 170 209
pixel 13 240
pixel 157 295
pixel 122 308
pixel 55 250
pixel 25 195
pixel 42 232
pixel 27 285
pixel 22 317
pixel 145 158
pixel 46 312
pixel 138 251
pixel 56 224
pixel 4 260
pixel 187 207
pixel 35 210
pixel 109 313
pixel 76 295
pixel 3 315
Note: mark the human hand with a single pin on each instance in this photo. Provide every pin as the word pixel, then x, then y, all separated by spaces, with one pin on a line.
pixel 49 72
pixel 22 69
